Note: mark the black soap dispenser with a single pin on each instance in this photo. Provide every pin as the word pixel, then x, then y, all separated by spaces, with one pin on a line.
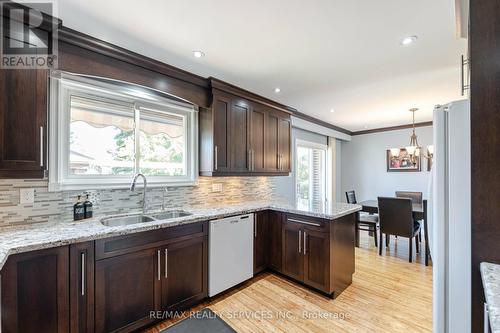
pixel 88 207
pixel 78 210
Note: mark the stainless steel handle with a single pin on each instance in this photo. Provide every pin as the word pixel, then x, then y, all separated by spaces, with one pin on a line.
pixel 249 163
pixel 300 241
pixel 253 159
pixel 159 264
pixel 255 228
pixel 304 222
pixel 486 319
pixel 305 243
pixel 82 258
pixel 166 263
pixel 216 155
pixel 41 146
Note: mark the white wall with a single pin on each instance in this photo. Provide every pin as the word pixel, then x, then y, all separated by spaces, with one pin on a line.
pixel 364 167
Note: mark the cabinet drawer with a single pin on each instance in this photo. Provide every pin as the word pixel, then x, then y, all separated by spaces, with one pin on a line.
pixel 312 223
pixel 114 246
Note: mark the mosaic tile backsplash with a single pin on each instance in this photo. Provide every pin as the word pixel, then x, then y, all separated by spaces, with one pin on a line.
pixel 58 206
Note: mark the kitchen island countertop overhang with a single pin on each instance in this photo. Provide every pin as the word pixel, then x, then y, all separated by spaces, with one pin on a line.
pixel 28 238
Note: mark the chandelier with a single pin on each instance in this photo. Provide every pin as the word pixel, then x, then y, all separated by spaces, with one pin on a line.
pixel 413 149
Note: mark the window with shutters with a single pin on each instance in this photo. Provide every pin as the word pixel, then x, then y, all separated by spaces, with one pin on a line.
pixel 310 168
pixel 103 133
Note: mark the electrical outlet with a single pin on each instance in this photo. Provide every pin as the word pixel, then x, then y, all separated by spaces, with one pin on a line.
pixel 217 187
pixel 26 195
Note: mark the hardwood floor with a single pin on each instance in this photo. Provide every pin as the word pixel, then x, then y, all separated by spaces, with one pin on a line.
pixel 388 294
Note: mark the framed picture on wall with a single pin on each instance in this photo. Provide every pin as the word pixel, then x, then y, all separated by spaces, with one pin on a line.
pixel 400 162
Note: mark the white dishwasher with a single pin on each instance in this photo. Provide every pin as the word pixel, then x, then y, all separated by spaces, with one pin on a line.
pixel 230 255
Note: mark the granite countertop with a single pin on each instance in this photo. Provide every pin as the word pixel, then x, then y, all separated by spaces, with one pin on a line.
pixel 490 274
pixel 47 235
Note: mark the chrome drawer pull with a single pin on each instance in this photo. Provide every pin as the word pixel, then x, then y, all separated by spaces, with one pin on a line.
pixel 82 256
pixel 304 222
pixel 159 264
pixel 300 240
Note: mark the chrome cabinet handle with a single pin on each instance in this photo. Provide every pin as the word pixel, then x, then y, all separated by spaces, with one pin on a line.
pixel 300 240
pixel 305 243
pixel 255 228
pixel 166 263
pixel 216 153
pixel 253 159
pixel 41 146
pixel 159 264
pixel 249 164
pixel 82 258
pixel 303 222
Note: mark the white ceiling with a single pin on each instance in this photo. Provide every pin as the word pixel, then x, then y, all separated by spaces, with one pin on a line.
pixel 323 54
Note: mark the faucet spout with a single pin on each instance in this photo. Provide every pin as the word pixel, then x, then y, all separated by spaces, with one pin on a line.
pixel 145 182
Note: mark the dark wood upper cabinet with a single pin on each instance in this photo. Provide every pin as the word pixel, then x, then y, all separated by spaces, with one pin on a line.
pixel 241 136
pixel 23 123
pixel 260 241
pixel 35 292
pixel 81 286
pixel 284 144
pixel 258 117
pixel 184 273
pixel 127 289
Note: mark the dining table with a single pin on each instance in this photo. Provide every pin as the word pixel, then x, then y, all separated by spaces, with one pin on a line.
pixel 419 211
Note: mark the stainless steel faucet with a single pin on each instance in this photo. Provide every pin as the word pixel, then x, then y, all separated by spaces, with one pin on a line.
pixel 165 192
pixel 132 188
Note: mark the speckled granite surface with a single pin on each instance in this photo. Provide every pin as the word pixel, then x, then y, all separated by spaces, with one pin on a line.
pixel 490 274
pixel 46 235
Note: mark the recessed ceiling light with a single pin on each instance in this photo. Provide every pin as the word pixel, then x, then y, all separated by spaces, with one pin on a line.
pixel 198 54
pixel 277 90
pixel 409 40
pixel 332 110
pixel 365 127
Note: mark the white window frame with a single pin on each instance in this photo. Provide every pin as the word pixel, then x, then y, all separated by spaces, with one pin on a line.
pixel 64 85
pixel 313 145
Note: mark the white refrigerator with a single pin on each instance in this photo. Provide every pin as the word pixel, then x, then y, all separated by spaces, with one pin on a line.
pixel 451 218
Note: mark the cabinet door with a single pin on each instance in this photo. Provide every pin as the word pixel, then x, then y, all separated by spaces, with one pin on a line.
pixel 221 120
pixel 257 138
pixel 275 235
pixel 284 142
pixel 184 273
pixel 293 258
pixel 240 147
pixel 316 259
pixel 127 289
pixel 81 287
pixel 23 123
pixel 35 292
pixel 260 242
pixel 272 123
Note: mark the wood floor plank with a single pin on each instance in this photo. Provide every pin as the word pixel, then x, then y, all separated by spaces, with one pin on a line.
pixel 388 294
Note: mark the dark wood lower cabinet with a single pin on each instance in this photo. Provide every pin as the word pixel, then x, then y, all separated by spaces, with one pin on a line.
pixel 293 259
pixel 316 250
pixel 118 284
pixel 274 240
pixel 319 253
pixel 127 290
pixel 81 282
pixel 35 292
pixel 185 273
pixel 260 241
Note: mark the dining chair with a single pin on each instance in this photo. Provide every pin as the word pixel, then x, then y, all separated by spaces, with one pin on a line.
pixel 396 218
pixel 364 221
pixel 416 198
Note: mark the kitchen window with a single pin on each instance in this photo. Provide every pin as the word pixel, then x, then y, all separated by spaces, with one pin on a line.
pixel 102 133
pixel 311 175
